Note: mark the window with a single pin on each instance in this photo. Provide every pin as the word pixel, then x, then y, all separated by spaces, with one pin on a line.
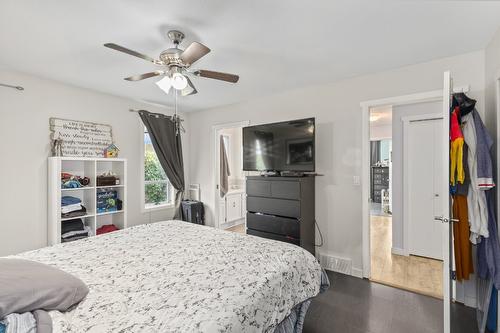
pixel 158 192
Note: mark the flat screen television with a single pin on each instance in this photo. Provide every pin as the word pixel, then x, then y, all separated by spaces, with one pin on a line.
pixel 283 146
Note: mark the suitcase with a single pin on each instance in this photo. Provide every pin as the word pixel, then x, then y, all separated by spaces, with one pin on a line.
pixel 193 211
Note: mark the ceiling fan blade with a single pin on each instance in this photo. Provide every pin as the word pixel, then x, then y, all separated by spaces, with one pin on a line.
pixel 143 76
pixel 217 75
pixel 193 53
pixel 131 52
pixel 190 89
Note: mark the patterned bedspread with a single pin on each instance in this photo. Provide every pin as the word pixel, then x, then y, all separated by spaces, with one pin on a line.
pixel 175 276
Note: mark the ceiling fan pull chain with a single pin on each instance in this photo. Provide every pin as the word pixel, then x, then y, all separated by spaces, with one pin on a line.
pixel 176 117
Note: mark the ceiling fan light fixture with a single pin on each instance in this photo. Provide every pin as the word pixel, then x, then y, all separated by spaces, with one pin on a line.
pixel 179 81
pixel 164 84
pixel 175 65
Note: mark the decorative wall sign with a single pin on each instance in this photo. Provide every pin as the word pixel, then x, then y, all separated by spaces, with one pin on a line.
pixel 81 138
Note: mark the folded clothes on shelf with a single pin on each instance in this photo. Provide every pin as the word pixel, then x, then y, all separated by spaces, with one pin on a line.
pixel 74 238
pixel 69 200
pixel 74 229
pixel 72 181
pixel 70 234
pixel 71 204
pixel 72 225
pixel 75 213
pixel 106 228
pixel 70 208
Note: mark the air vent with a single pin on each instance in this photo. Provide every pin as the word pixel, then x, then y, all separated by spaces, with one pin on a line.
pixel 336 264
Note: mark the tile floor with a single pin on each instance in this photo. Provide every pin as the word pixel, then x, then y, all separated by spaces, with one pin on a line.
pixel 421 275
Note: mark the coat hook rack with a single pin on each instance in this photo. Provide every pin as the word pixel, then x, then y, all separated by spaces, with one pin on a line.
pixel 10 86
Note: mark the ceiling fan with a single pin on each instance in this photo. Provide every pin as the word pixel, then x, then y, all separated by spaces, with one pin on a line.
pixel 175 65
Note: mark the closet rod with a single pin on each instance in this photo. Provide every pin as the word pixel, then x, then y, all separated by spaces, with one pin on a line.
pixel 11 86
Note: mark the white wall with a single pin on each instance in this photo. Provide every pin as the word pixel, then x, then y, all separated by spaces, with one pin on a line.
pixel 380 132
pixel 25 146
pixel 338 151
pixel 399 112
pixel 492 121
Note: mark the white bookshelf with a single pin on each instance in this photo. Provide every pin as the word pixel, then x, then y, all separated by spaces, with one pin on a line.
pixel 91 168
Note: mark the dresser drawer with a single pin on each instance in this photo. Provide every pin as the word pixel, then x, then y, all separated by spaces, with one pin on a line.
pixel 285 190
pixel 274 224
pixel 271 206
pixel 259 188
pixel 274 189
pixel 269 235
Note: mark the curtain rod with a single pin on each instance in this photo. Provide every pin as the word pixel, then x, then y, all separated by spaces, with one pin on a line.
pixel 160 114
pixel 11 86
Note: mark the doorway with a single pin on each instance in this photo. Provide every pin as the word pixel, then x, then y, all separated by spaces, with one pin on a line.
pixel 391 242
pixel 229 177
pixel 405 174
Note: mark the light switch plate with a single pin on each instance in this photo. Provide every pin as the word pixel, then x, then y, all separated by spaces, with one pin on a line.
pixel 356 180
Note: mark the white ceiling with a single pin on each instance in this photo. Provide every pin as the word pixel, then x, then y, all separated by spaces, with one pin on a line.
pixel 273 45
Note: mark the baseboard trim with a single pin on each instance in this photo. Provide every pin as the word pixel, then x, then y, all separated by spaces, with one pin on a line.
pixel 356 272
pixel 352 271
pixel 470 301
pixel 398 251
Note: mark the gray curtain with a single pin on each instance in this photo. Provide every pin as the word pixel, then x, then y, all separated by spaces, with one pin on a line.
pixel 374 152
pixel 166 139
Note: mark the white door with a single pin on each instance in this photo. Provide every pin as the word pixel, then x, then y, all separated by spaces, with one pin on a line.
pixel 425 173
pixel 443 218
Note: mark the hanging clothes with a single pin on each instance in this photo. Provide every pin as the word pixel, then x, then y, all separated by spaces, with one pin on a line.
pixel 476 199
pixel 462 246
pixel 488 250
pixel 457 173
pixel 484 142
pixel 491 322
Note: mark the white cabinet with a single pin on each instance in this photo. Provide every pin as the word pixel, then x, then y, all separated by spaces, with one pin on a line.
pixel 233 207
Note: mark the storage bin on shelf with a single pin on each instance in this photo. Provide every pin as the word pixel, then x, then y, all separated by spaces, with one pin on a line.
pixel 108 201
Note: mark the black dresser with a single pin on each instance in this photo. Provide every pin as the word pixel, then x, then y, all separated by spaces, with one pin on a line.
pixel 282 208
pixel 380 181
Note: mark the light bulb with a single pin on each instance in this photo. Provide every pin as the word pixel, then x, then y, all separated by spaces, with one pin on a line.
pixel 179 81
pixel 165 84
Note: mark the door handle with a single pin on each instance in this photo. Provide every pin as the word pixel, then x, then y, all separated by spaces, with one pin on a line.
pixel 445 219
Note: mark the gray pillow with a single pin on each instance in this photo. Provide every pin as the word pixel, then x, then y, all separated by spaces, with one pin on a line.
pixel 27 286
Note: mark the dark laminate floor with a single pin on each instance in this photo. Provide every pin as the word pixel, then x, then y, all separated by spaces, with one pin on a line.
pixel 353 305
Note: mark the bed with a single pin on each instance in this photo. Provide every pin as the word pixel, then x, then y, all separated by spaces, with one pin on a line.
pixel 174 276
